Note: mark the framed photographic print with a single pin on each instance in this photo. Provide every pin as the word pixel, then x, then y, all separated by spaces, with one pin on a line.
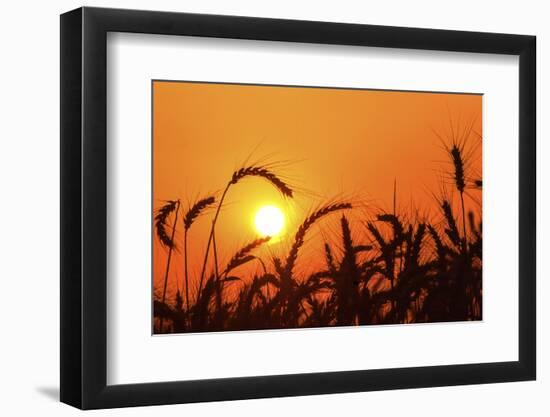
pixel 335 207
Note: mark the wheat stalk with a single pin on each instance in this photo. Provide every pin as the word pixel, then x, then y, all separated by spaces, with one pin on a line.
pixel 460 182
pixel 160 222
pixel 304 227
pixel 243 255
pixel 188 220
pixel 250 171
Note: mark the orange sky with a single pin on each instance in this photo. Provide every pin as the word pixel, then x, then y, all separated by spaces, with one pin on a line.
pixel 335 143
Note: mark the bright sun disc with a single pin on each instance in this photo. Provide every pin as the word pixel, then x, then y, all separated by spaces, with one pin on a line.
pixel 269 221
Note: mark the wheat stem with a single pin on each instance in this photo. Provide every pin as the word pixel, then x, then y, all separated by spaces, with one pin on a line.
pixel 186 270
pixel 465 244
pixel 211 236
pixel 170 250
pixel 188 221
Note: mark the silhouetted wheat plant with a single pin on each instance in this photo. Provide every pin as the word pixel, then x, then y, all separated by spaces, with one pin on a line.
pixel 192 214
pixel 251 171
pixel 161 219
pixel 398 268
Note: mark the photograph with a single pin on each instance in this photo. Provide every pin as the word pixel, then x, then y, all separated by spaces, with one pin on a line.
pixel 284 207
pixel 239 208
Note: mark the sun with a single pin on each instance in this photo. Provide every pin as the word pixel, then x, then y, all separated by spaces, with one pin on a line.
pixel 269 221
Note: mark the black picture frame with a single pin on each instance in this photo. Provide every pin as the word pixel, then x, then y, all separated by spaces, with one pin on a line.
pixel 84 207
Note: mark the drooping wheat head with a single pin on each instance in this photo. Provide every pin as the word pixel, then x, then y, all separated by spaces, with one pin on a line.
pixel 161 219
pixel 196 210
pixel 262 172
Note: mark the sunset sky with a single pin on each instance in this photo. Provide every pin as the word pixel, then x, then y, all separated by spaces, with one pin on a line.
pixel 327 143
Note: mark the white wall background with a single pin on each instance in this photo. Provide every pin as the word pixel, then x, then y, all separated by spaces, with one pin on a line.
pixel 29 226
